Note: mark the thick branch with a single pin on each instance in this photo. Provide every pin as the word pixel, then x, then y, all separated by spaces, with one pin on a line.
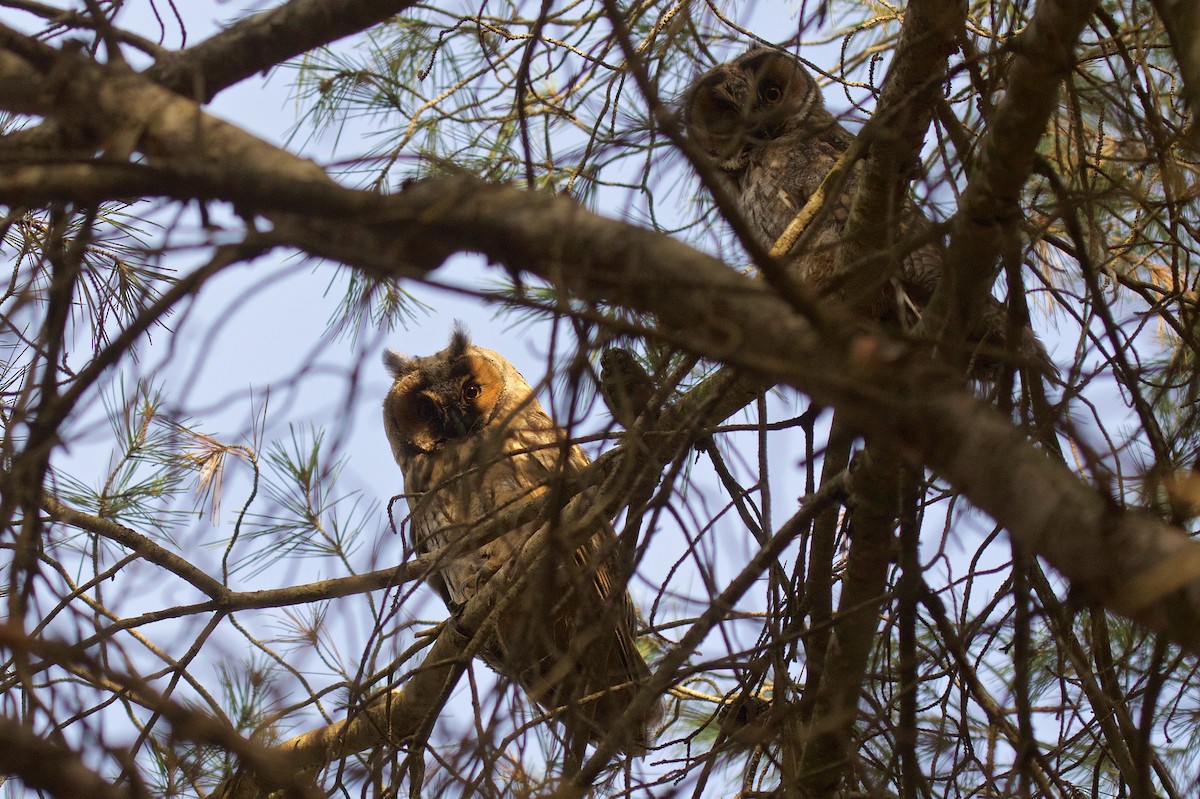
pixel 989 210
pixel 826 748
pixel 398 715
pixel 264 41
pixel 896 132
pixel 253 45
pixel 879 387
pixel 109 108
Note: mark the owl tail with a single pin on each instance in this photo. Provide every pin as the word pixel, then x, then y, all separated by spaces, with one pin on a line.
pixel 587 670
pixel 993 350
pixel 611 675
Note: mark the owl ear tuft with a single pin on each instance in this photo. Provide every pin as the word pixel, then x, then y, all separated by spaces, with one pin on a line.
pixel 398 363
pixel 460 339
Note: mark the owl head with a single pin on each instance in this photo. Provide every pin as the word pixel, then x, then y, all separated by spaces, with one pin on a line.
pixel 447 397
pixel 742 104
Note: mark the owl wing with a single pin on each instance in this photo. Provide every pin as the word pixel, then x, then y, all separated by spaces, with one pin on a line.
pixel 427 521
pixel 614 659
pixel 610 591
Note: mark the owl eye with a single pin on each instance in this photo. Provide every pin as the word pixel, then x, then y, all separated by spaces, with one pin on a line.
pixel 427 411
pixel 471 391
pixel 770 93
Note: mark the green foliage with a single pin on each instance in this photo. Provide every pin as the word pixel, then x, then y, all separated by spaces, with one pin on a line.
pixel 145 476
pixel 311 515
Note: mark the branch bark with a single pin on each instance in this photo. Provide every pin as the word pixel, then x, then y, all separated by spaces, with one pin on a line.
pixel 817 756
pixel 989 209
pixel 262 42
pixel 896 132
pixel 252 45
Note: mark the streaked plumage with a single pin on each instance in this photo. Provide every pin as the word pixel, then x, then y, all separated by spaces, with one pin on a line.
pixel 625 385
pixel 761 120
pixel 472 441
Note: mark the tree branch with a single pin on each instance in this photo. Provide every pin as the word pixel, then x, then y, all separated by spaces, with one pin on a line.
pixel 825 740
pixel 989 209
pixel 252 45
pixel 1181 18
pixel 881 387
pixel 186 723
pixel 896 132
pixel 262 42
pixel 45 766
pixel 107 107
pixel 143 546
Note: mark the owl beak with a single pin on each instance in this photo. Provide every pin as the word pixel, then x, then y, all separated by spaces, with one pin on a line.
pixel 457 424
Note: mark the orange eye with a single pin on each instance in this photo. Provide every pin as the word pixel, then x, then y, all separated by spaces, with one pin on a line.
pixel 770 93
pixel 471 391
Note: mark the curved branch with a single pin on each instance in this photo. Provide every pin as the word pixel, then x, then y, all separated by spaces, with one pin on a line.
pixel 264 41
pixel 136 542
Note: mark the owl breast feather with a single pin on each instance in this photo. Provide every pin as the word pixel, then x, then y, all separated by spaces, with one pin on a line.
pixel 784 174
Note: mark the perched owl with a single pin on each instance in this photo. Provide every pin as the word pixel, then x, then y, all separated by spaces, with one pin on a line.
pixel 626 386
pixel 762 121
pixel 473 441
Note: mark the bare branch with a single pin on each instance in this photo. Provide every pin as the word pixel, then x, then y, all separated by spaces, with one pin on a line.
pixel 261 42
pixel 989 209
pixel 136 542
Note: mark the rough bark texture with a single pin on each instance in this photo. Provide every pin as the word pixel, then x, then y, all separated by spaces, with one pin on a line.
pixel 989 210
pixel 263 41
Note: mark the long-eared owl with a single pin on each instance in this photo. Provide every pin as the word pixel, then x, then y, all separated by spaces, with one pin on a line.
pixel 473 441
pixel 762 122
